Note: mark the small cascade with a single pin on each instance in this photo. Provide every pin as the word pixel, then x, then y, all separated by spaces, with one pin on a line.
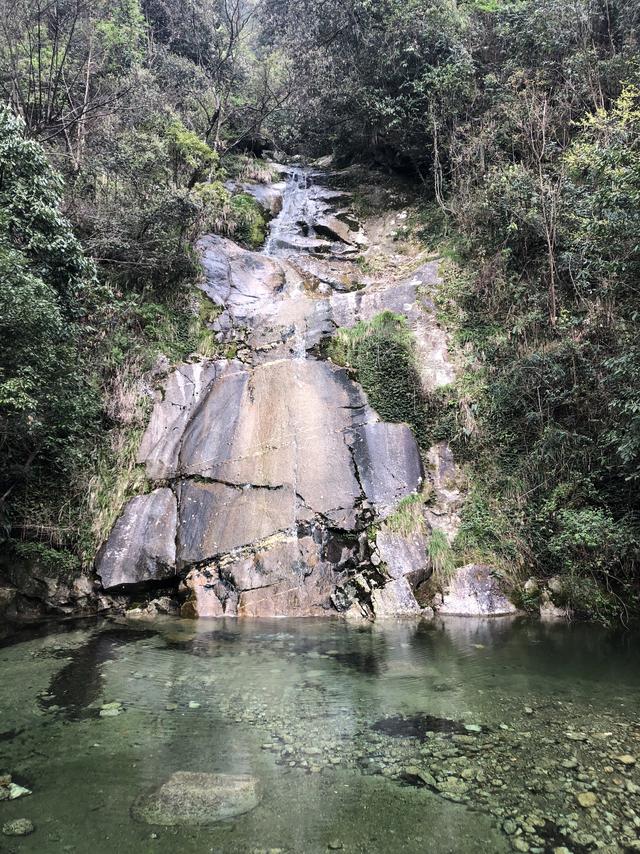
pixel 287 232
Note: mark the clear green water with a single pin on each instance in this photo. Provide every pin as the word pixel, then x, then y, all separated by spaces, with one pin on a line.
pixel 304 706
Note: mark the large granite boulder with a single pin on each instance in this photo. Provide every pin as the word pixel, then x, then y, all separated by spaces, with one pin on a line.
pixel 216 518
pixel 141 546
pixel 182 392
pixel 192 799
pixel 237 279
pixel 474 591
pixel 282 427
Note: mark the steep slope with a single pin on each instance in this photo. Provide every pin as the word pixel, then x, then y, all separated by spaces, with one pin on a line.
pixel 270 467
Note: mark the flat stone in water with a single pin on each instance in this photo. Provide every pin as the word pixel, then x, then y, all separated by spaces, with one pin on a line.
pixel 196 798
pixel 586 799
pixel 18 827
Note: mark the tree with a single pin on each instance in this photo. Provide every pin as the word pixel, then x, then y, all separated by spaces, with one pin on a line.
pixel 47 403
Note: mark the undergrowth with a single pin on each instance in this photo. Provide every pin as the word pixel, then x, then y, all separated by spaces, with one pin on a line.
pixel 381 353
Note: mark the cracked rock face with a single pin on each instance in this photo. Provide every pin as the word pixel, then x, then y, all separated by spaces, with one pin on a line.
pixel 271 467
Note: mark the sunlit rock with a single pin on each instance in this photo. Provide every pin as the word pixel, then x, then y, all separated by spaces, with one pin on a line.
pixel 182 391
pixel 388 462
pixel 285 577
pixel 395 599
pixel 216 518
pixel 474 590
pixel 141 546
pixel 403 554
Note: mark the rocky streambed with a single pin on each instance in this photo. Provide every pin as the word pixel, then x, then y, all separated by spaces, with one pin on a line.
pixel 266 469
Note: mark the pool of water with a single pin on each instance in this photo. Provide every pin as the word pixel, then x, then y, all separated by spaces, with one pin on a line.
pixel 456 736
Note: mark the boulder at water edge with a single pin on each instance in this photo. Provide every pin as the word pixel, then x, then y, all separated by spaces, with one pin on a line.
pixel 474 591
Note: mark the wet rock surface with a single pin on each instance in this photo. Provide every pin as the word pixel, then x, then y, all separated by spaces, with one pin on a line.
pixel 270 466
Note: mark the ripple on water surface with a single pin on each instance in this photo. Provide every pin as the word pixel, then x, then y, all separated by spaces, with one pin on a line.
pixel 438 737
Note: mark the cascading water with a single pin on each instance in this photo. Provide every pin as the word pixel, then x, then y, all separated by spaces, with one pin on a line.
pixel 289 233
pixel 288 230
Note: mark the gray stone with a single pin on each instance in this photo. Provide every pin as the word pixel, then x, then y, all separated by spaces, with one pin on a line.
pixel 191 799
pixel 443 511
pixel 240 280
pixel 551 611
pixel 285 427
pixel 388 462
pixel 474 591
pixel 285 577
pixel 215 518
pixel 394 599
pixel 162 605
pixel 335 229
pixel 141 546
pixel 277 460
pixel 182 392
pixel 403 554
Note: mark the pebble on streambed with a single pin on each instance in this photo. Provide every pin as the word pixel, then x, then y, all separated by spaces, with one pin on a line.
pixel 111 710
pixel 18 827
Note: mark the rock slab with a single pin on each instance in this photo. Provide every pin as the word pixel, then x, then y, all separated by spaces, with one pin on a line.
pixel 192 799
pixel 141 547
pixel 474 591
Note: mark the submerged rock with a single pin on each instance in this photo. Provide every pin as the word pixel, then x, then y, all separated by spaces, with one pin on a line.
pixel 196 798
pixel 418 726
pixel 475 591
pixel 18 827
pixel 10 791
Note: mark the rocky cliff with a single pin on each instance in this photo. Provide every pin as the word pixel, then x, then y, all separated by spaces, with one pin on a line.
pixel 269 469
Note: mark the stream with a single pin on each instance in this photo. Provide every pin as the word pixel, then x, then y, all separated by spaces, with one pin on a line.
pixel 459 736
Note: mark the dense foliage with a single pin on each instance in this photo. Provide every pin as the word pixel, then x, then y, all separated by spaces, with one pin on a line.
pixel 47 402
